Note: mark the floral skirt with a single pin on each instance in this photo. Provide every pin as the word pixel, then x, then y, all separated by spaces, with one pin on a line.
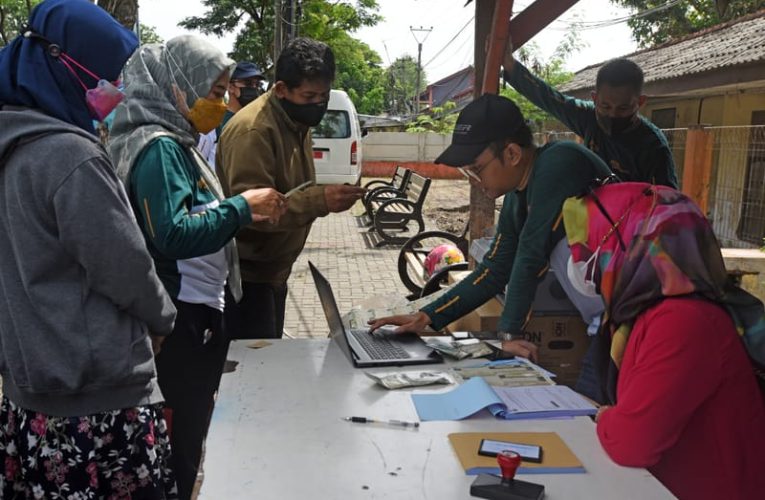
pixel 121 454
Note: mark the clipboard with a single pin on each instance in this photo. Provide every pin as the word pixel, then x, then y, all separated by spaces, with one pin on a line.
pixel 557 457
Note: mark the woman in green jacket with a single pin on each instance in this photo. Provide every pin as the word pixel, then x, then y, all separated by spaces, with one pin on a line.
pixel 175 92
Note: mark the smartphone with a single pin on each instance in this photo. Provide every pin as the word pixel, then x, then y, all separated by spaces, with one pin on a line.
pixel 528 452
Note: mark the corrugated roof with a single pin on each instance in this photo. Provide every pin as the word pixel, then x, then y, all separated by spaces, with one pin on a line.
pixel 737 42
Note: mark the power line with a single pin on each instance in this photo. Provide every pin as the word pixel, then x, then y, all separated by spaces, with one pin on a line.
pixel 590 25
pixel 449 42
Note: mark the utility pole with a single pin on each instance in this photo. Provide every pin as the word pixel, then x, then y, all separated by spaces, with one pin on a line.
pixel 278 36
pixel 419 62
pixel 286 20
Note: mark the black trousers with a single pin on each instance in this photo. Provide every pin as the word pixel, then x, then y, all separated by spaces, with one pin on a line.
pixel 260 313
pixel 189 371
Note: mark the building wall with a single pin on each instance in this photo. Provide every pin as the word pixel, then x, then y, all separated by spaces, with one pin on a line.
pixel 728 109
pixel 687 110
pixel 383 151
pixel 403 146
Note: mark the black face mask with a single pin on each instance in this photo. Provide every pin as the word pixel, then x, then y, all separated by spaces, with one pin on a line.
pixel 616 125
pixel 306 114
pixel 248 94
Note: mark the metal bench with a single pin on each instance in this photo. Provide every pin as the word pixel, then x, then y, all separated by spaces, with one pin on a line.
pixel 380 190
pixel 392 217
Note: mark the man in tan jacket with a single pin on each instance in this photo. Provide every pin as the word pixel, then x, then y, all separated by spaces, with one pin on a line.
pixel 268 144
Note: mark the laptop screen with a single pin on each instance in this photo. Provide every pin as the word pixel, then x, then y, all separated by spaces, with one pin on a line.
pixel 327 298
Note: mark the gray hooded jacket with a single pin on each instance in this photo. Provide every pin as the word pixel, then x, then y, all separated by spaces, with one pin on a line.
pixel 78 290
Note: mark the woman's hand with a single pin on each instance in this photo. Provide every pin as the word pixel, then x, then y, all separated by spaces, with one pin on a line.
pixel 522 348
pixel 601 410
pixel 416 322
pixel 265 204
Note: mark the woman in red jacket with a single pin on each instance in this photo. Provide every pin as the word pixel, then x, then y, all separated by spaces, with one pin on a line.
pixel 680 342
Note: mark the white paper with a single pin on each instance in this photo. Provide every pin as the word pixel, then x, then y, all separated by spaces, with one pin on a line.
pixel 542 398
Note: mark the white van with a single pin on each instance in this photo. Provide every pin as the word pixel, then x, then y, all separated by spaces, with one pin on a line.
pixel 337 142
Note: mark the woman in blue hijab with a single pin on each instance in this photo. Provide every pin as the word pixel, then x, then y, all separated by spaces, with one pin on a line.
pixel 81 413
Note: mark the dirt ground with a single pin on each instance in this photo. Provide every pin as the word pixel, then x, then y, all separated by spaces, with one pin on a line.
pixel 447 205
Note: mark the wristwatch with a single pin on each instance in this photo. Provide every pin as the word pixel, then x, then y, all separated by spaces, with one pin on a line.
pixel 507 336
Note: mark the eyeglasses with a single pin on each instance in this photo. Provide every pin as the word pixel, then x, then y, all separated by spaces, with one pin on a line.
pixel 250 82
pixel 474 171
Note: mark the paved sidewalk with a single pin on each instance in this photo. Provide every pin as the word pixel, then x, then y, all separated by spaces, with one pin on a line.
pixel 337 247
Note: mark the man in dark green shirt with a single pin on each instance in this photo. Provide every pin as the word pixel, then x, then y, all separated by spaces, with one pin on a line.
pixel 633 147
pixel 492 146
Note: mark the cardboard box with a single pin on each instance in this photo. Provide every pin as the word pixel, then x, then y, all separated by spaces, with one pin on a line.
pixel 561 337
pixel 563 342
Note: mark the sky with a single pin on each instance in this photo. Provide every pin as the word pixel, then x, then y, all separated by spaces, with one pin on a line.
pixel 450 19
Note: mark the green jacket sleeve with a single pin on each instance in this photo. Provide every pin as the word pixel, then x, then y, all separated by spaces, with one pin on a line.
pixel 162 192
pixel 489 277
pixel 576 114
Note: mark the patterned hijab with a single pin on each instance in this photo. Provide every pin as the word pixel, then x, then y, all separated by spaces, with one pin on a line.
pixel 31 76
pixel 653 242
pixel 149 110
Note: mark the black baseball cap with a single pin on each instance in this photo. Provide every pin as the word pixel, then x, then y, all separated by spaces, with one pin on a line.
pixel 485 120
pixel 245 70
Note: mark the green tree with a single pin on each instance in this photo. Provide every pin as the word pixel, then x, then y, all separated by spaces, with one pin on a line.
pixel 332 22
pixel 551 71
pixel 13 15
pixel 149 35
pixel 401 85
pixel 687 16
pixel 439 119
pixel 124 11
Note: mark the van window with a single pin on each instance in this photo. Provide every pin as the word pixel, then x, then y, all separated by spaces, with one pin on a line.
pixel 335 125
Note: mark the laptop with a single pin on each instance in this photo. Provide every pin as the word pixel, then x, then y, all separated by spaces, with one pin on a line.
pixel 366 349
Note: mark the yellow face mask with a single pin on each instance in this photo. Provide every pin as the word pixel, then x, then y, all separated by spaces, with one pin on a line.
pixel 206 114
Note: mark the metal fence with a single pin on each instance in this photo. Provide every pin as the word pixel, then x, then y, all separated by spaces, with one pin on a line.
pixel 677 137
pixel 737 191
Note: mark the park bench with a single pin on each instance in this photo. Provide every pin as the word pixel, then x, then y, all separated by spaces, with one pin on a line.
pixel 392 217
pixel 380 190
pixel 411 261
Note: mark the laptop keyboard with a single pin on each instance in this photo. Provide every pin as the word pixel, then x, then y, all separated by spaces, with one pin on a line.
pixel 377 347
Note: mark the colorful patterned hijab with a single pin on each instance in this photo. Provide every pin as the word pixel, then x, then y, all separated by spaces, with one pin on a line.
pixel 31 76
pixel 653 242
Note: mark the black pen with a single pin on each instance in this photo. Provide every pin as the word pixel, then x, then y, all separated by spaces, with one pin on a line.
pixel 397 423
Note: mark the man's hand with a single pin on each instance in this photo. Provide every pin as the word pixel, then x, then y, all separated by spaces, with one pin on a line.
pixel 522 348
pixel 265 204
pixel 341 197
pixel 508 61
pixel 416 322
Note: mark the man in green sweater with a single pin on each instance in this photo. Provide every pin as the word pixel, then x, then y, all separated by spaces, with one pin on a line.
pixel 633 147
pixel 492 146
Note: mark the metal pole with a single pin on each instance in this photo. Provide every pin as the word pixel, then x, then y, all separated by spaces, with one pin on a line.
pixel 419 76
pixel 277 29
pixel 419 62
